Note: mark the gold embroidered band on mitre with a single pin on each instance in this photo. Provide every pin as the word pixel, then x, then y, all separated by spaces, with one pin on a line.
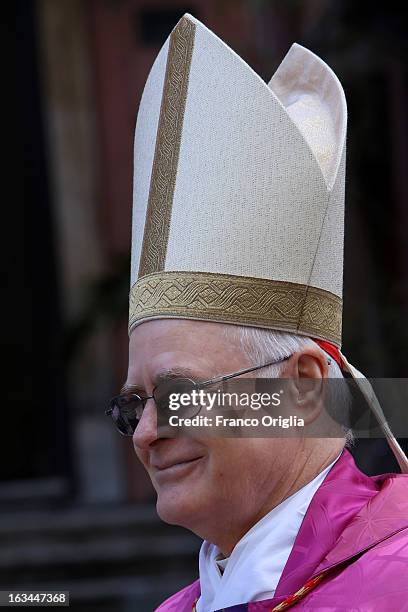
pixel 239 300
pixel 164 169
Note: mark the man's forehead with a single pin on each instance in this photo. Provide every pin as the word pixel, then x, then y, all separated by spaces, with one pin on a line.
pixel 179 334
pixel 170 325
pixel 164 349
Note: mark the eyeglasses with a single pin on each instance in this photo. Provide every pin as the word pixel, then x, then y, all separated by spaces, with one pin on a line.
pixel 126 410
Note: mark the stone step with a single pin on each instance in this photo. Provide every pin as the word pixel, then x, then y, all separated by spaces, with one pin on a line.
pixel 78 518
pixel 113 555
pixel 127 593
pixel 95 548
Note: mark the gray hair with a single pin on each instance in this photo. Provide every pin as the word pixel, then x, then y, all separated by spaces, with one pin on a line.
pixel 263 345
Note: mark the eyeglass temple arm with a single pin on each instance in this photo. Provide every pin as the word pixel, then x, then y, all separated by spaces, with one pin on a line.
pixel 217 379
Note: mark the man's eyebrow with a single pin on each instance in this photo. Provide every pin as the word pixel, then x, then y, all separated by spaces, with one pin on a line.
pixel 127 388
pixel 177 372
pixel 165 376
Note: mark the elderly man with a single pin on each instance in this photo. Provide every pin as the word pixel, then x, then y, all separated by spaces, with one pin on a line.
pixel 237 272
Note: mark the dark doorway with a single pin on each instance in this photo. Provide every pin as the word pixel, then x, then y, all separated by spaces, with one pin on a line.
pixel 35 438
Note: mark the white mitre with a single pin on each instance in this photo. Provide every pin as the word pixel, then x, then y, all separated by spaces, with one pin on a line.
pixel 238 202
pixel 239 189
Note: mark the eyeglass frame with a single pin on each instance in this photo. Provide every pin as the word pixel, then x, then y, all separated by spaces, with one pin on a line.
pixel 200 385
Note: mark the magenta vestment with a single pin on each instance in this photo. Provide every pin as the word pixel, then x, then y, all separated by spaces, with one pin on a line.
pixel 357 527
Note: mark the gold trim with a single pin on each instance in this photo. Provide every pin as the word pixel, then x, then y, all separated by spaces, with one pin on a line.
pixel 237 299
pixel 164 169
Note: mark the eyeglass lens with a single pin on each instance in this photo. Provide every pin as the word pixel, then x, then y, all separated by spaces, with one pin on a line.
pixel 127 410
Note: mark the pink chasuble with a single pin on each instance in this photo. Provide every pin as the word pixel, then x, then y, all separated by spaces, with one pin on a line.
pixel 352 548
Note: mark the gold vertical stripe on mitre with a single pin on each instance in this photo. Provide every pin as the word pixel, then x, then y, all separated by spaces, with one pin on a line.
pixel 166 155
pixel 239 300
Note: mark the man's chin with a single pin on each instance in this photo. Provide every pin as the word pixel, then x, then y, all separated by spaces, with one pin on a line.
pixel 180 509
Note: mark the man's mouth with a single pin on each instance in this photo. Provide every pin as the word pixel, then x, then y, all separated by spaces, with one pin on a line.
pixel 174 463
pixel 175 469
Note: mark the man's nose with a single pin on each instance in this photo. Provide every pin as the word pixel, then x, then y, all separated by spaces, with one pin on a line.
pixel 146 430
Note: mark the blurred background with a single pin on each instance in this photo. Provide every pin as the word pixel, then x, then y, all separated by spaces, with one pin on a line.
pixel 76 510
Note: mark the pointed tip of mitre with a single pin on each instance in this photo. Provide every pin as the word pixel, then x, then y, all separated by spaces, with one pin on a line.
pixel 187 17
pixel 212 38
pixel 190 18
pixel 312 94
pixel 310 59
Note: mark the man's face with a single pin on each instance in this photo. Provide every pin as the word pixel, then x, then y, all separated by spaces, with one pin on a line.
pixel 199 481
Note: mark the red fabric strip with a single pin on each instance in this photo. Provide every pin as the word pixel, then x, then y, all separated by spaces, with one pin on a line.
pixel 332 350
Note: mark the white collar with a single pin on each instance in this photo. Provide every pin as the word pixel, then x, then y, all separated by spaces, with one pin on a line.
pixel 253 570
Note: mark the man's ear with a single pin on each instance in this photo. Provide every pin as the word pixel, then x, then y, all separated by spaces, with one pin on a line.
pixel 312 363
pixel 308 369
pixel 309 362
